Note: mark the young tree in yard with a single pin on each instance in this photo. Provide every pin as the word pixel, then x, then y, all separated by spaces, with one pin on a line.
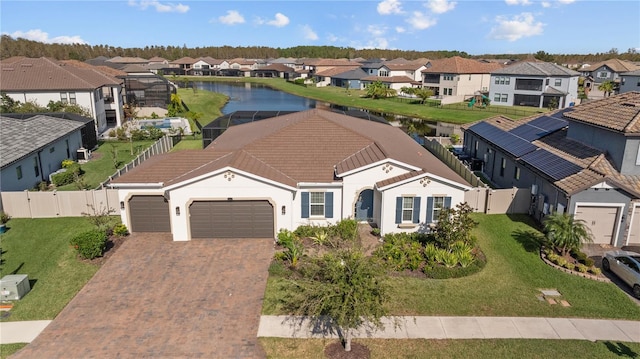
pixel 175 107
pixel 423 94
pixel 566 233
pixel 378 90
pixel 607 87
pixel 344 286
pixel 454 224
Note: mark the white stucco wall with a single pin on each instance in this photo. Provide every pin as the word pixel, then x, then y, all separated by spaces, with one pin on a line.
pixel 414 189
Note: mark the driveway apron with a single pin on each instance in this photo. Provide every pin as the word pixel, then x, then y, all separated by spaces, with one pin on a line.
pixel 156 298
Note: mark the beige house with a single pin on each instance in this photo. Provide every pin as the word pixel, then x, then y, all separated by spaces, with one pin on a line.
pixel 456 79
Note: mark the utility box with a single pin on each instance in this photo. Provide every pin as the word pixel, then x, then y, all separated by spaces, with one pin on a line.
pixel 14 286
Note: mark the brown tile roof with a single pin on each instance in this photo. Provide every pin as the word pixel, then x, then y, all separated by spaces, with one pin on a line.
pixel 330 62
pixel 409 66
pixel 459 65
pixel 276 67
pixel 157 59
pixel 616 65
pixel 128 60
pixel 400 178
pixel 104 69
pixel 620 113
pixel 29 74
pixel 336 71
pixel 308 146
pixel 184 61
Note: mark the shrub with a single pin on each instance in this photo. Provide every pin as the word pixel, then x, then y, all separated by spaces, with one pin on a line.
pixel 582 268
pixel 321 238
pixel 347 229
pixel 375 232
pixel 67 163
pixel 400 252
pixel 595 270
pixel 441 272
pixel 569 265
pixel 305 231
pixel 4 217
pixel 280 256
pixel 90 244
pixel 561 261
pixel 430 252
pixel 464 257
pixel 553 257
pixel 449 259
pixel 69 176
pixel 120 230
pixel 579 256
pixel 589 262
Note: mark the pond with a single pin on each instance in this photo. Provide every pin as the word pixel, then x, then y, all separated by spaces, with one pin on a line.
pixel 258 97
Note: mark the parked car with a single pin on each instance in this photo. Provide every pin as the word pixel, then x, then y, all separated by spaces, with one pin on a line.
pixel 625 265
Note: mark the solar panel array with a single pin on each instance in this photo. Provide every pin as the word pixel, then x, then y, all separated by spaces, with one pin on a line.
pixel 510 143
pixel 550 164
pixel 539 127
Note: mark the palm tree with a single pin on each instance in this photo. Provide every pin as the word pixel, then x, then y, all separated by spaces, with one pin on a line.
pixel 607 87
pixel 566 233
pixel 379 90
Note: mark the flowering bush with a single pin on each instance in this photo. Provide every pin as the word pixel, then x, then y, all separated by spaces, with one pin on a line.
pixel 90 244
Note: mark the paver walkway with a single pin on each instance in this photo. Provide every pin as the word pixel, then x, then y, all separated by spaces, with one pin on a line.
pixel 162 299
pixel 464 328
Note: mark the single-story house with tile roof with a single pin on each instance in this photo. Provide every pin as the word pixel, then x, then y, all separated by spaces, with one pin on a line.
pixel 584 161
pixel 312 167
pixel 34 145
pixel 351 79
pixel 393 82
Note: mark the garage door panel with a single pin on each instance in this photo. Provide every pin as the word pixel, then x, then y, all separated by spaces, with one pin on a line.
pixel 601 221
pixel 231 219
pixel 634 230
pixel 149 214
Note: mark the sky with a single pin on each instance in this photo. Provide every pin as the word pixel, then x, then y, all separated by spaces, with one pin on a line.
pixel 476 27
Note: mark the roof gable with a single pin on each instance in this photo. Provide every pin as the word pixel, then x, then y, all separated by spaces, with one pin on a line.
pixel 530 68
pixel 619 113
pixel 459 65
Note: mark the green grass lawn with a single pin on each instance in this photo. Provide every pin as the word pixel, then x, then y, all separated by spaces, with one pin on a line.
pixel 449 113
pixel 453 349
pixel 507 286
pixel 101 166
pixel 7 349
pixel 188 144
pixel 207 103
pixel 40 248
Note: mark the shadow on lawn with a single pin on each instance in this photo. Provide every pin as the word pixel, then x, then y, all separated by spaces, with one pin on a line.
pixel 530 240
pixel 621 350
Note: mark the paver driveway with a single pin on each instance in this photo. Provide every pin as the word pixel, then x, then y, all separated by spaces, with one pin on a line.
pixel 162 299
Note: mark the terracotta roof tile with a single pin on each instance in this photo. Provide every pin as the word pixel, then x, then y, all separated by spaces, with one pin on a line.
pixel 616 65
pixel 308 146
pixel 620 113
pixel 184 61
pixel 336 71
pixel 390 79
pixel 400 178
pixel 459 65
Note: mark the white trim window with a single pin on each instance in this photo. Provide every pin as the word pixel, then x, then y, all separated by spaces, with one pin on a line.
pixel 407 209
pixel 557 82
pixel 63 97
pixel 316 204
pixel 438 205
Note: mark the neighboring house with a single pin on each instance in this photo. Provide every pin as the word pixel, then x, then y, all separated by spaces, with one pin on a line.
pixel 535 84
pixel 584 161
pixel 275 70
pixel 157 60
pixel 393 82
pixel 34 145
pixel 42 80
pixel 324 78
pixel 629 81
pixel 316 66
pixel 375 68
pixel 609 70
pixel 290 62
pixel 260 177
pixel 455 79
pixel 128 61
pixel 412 70
pixel 183 66
pixel 351 79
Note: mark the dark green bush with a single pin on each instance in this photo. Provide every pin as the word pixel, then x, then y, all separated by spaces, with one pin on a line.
pixel 306 231
pixel 347 229
pixel 90 244
pixel 401 252
pixel 67 177
pixel 437 271
pixel 588 262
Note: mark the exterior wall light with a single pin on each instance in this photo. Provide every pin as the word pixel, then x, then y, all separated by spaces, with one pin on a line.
pixel 177 211
pixel 284 210
pixel 122 205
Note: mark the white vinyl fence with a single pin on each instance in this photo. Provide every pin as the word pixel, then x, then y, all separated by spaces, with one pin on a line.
pixel 53 204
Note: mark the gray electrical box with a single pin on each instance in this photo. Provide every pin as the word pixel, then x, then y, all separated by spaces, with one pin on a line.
pixel 14 286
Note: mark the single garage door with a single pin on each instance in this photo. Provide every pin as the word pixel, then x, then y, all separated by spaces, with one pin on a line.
pixel 601 221
pixel 231 219
pixel 149 214
pixel 634 230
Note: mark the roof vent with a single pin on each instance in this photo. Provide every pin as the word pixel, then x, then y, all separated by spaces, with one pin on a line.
pixel 26 65
pixel 631 104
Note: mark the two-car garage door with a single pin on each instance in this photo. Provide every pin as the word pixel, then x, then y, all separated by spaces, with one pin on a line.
pixel 231 219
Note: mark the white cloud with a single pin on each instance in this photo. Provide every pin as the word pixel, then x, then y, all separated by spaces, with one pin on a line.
pixel 566 1
pixel 332 38
pixel 518 2
pixel 233 17
pixel 421 21
pixel 378 43
pixel 400 29
pixel 376 30
pixel 308 33
pixel 388 7
pixel 441 6
pixel 517 27
pixel 41 36
pixel 279 20
pixel 545 4
pixel 160 7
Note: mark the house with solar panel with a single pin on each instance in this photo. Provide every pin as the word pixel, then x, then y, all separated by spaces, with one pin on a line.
pixel 535 84
pixel 584 161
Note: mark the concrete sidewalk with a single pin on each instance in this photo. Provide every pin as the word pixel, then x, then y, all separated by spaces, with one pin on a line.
pixel 463 328
pixel 21 332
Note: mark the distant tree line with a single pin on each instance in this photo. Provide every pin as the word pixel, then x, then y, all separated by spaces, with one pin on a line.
pixel 21 47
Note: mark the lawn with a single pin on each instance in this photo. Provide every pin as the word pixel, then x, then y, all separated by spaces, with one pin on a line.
pixel 507 286
pixel 206 103
pixel 7 349
pixel 340 96
pixel 40 248
pixel 452 349
pixel 101 166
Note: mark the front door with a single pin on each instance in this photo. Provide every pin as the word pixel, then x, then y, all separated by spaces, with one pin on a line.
pixel 364 205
